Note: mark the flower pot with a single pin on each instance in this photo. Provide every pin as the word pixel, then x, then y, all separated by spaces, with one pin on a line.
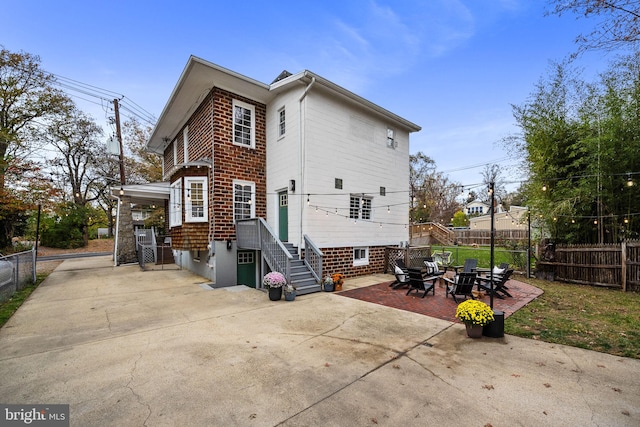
pixel 327 287
pixel 289 296
pixel 275 294
pixel 474 331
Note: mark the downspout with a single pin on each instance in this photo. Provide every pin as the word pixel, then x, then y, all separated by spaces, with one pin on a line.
pixel 302 154
pixel 115 245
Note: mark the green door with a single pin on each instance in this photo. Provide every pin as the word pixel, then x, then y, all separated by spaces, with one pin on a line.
pixel 283 216
pixel 247 268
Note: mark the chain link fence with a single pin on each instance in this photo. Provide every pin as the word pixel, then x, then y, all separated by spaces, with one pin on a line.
pixel 16 272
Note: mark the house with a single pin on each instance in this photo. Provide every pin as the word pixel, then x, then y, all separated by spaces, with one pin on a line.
pixel 513 219
pixel 476 207
pixel 300 176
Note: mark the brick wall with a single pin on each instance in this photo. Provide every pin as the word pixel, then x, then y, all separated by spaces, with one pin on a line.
pixel 211 136
pixel 235 162
pixel 340 260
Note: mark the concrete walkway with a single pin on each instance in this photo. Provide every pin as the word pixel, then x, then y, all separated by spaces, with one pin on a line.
pixel 130 348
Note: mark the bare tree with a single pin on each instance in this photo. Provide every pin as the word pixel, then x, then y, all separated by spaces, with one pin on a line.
pixel 618 22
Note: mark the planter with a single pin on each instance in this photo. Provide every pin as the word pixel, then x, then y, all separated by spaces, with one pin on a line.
pixel 275 294
pixel 495 329
pixel 327 287
pixel 474 331
pixel 289 296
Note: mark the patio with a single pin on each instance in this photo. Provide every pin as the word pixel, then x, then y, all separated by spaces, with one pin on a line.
pixel 438 305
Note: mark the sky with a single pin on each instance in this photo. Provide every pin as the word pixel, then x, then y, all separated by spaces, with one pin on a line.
pixel 453 67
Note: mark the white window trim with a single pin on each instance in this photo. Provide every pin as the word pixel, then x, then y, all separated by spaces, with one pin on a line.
pixel 185 144
pixel 187 205
pixel 360 210
pixel 175 204
pixel 281 132
pixel 253 197
pixel 252 108
pixel 361 261
pixel 175 152
pixel 392 141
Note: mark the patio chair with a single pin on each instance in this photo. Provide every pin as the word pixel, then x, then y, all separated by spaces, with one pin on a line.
pixel 402 275
pixel 419 283
pixel 433 269
pixel 470 265
pixel 498 289
pixel 461 285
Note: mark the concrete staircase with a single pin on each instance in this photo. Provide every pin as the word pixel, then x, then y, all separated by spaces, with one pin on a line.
pixel 301 276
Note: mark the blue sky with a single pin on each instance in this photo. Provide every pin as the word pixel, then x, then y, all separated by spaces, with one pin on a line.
pixel 453 67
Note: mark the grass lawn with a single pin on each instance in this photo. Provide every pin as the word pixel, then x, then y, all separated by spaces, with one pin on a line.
pixel 596 318
pixel 482 254
pixel 11 305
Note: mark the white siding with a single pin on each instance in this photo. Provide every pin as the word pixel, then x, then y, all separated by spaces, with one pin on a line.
pixel 343 141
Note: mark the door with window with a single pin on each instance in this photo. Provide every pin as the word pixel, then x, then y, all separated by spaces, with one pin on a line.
pixel 246 269
pixel 283 216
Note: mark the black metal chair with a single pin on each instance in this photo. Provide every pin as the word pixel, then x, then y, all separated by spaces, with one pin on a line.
pixel 497 286
pixel 419 283
pixel 461 285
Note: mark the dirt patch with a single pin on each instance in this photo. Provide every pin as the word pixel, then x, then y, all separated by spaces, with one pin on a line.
pixel 96 245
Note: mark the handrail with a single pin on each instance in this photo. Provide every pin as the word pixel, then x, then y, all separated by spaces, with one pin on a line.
pixel 255 233
pixel 313 258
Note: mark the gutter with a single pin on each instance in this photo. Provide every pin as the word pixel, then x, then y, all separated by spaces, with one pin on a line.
pixel 302 152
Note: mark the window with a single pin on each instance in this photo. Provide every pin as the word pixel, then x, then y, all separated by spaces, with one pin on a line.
pixel 338 183
pixel 360 256
pixel 196 209
pixel 383 191
pixel 360 207
pixel 284 200
pixel 243 124
pixel 281 122
pixel 243 200
pixel 175 204
pixel 245 258
pixel 391 138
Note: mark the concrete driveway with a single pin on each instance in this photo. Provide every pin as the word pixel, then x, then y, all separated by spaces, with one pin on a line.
pixel 158 348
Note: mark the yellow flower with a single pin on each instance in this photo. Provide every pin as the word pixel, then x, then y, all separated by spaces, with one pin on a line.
pixel 474 312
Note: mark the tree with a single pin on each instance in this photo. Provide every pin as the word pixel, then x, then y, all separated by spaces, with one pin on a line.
pixel 618 27
pixel 27 98
pixel 26 95
pixel 142 166
pixel 460 219
pixel 580 144
pixel 433 196
pixel 75 136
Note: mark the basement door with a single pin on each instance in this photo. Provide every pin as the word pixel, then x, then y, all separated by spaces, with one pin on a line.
pixel 283 216
pixel 246 269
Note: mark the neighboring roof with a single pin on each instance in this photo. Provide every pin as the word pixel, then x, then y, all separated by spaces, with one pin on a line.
pixel 199 77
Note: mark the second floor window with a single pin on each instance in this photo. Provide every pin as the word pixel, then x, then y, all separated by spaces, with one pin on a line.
pixel 243 124
pixel 360 207
pixel 281 122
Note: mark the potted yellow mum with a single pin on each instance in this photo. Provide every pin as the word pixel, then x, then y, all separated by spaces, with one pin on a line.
pixel 474 314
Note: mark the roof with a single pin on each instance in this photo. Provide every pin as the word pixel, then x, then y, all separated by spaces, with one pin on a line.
pixel 199 77
pixel 154 193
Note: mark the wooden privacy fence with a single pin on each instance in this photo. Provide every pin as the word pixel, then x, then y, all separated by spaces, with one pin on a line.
pixel 483 237
pixel 611 265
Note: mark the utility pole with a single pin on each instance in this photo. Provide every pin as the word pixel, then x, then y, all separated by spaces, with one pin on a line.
pixel 116 108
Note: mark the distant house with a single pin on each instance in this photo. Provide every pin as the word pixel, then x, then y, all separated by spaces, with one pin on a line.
pixel 512 219
pixel 300 176
pixel 476 207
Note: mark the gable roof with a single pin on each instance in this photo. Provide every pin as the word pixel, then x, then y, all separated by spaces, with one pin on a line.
pixel 199 77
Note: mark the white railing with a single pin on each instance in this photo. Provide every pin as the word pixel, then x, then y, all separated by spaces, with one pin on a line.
pixel 313 258
pixel 256 234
